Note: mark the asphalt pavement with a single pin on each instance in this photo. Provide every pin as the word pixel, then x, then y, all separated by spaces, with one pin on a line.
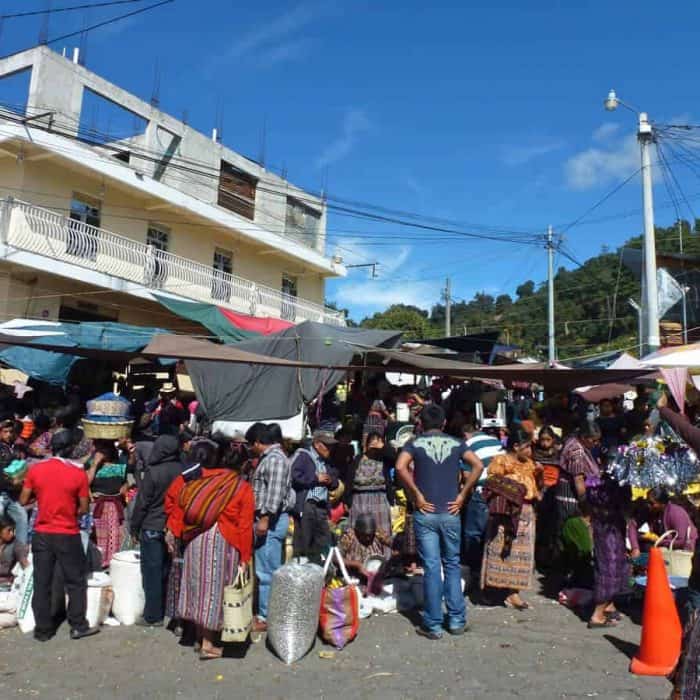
pixel 543 653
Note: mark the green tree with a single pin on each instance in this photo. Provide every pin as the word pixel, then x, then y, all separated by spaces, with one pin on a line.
pixel 409 319
pixel 526 289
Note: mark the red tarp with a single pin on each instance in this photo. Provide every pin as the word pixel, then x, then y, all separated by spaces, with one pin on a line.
pixel 253 324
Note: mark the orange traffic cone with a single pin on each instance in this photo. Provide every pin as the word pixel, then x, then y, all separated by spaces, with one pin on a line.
pixel 661 627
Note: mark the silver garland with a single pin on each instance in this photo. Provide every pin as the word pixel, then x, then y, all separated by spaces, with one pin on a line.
pixel 655 461
pixel 295 600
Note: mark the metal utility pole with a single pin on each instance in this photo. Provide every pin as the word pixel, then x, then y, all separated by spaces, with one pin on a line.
pixel 552 355
pixel 650 298
pixel 448 308
pixel 685 289
pixel 645 135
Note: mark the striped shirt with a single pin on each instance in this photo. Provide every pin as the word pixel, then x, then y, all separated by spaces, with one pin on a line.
pixel 485 447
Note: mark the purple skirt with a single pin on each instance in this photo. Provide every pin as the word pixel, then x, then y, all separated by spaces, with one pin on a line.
pixel 611 567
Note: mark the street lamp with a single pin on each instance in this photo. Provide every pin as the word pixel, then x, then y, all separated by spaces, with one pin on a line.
pixel 650 300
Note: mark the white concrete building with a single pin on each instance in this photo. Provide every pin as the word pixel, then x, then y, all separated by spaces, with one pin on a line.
pixel 91 225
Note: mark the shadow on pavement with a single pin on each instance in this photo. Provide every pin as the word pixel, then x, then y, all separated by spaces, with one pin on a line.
pixel 627 648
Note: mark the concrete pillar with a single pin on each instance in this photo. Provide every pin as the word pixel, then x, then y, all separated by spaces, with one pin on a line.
pixel 56 83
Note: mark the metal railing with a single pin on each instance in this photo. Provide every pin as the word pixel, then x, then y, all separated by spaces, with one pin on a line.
pixel 35 229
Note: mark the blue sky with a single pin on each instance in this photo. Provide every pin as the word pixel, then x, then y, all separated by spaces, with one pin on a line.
pixel 488 114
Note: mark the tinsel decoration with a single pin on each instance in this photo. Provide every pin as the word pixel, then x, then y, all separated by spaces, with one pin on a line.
pixel 655 461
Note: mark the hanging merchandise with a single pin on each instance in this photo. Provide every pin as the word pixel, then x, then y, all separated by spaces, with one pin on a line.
pixel 656 461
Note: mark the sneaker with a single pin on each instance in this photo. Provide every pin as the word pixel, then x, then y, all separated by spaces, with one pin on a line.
pixel 457 631
pixel 434 636
pixel 143 622
pixel 87 632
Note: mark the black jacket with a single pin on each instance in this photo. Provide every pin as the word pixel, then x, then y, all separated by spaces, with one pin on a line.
pixel 163 467
pixel 304 477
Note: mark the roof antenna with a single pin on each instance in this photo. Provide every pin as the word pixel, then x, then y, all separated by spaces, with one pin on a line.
pixel 155 94
pixel 44 26
pixel 185 116
pixel 82 50
pixel 263 142
pixel 219 118
pixel 324 184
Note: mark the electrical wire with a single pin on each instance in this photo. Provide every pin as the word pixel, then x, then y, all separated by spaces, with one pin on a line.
pixel 600 202
pixel 104 23
pixel 339 205
pixel 56 10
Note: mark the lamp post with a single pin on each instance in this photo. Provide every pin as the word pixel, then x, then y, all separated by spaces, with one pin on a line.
pixel 650 299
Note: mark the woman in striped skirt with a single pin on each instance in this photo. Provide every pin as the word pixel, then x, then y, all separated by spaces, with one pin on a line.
pixel 217 515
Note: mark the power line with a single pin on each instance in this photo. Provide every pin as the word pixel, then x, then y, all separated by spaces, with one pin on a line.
pixel 600 202
pixel 673 177
pixel 343 207
pixel 109 21
pixel 55 10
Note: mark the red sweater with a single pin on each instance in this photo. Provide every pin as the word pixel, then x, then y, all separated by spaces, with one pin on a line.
pixel 171 506
pixel 235 522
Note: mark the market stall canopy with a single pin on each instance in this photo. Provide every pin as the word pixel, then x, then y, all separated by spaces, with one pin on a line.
pixel 676 356
pixel 553 379
pixel 47 350
pixel 597 393
pixel 323 353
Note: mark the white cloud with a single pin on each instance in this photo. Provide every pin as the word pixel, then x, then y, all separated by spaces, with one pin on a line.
pixel 355 123
pixel 271 42
pixel 600 165
pixel 373 296
pixel 519 155
pixel 363 295
pixel 605 131
pixel 284 53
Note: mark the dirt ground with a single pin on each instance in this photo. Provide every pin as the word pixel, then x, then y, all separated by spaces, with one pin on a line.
pixel 543 653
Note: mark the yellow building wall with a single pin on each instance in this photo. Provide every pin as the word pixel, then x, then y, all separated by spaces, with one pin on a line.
pixel 50 184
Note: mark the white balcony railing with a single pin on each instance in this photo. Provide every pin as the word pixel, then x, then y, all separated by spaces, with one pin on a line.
pixel 31 228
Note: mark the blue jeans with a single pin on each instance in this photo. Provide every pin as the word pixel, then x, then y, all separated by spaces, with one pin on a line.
pixel 438 541
pixel 155 566
pixel 13 510
pixel 474 520
pixel 268 558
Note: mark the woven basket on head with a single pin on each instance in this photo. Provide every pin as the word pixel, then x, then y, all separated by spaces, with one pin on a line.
pixel 114 430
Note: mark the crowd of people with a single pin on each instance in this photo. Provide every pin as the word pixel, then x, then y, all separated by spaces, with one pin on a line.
pixel 460 504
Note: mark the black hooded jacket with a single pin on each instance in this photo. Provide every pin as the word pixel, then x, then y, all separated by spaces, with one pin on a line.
pixel 164 465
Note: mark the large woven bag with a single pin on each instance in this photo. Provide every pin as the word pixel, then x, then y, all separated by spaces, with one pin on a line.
pixel 678 562
pixel 238 607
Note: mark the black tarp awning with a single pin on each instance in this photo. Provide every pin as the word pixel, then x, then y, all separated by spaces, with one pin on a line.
pixel 254 392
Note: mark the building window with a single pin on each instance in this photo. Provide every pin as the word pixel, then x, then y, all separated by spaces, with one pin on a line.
pixel 158 242
pixel 237 190
pixel 221 279
pixel 302 221
pixel 83 225
pixel 288 310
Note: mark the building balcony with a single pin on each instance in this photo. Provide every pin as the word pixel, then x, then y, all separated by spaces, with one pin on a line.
pixel 27 228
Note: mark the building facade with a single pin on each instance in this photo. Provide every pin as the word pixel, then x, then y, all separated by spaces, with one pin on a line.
pixel 94 226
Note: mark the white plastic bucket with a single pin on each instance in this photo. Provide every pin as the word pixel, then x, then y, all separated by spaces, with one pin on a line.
pixel 99 598
pixel 125 572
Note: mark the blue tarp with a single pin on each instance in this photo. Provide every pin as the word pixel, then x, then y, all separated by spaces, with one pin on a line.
pixel 53 367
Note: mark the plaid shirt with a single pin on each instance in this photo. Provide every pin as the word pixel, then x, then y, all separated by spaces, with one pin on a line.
pixel 272 483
